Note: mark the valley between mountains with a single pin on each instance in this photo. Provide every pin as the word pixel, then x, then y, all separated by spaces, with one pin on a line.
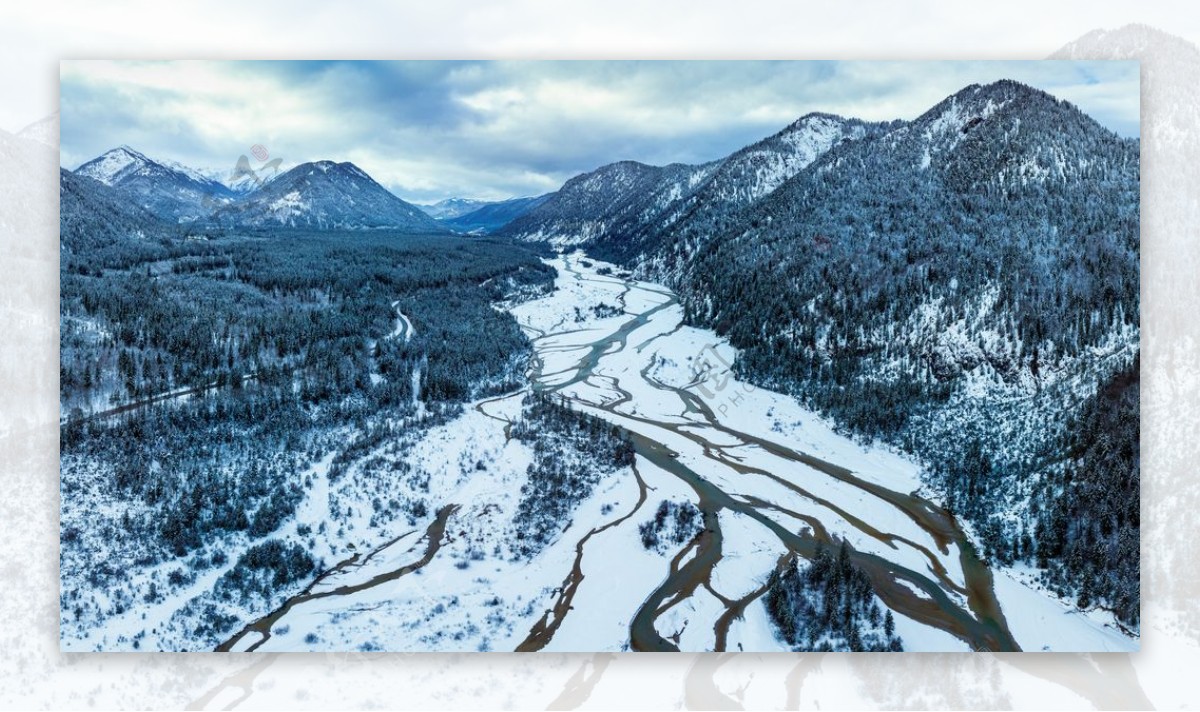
pixel 859 386
pixel 773 482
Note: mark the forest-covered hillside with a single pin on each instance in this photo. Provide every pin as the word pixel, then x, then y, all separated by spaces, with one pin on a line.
pixel 962 285
pixel 200 376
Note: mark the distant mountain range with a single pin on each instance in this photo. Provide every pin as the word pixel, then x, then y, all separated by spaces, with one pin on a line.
pixel 467 215
pixel 452 207
pixel 623 207
pixel 322 195
pixel 489 217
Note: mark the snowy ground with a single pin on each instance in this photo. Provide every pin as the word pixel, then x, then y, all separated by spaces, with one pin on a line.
pixel 1044 623
pixel 473 595
pixel 615 349
pixel 629 383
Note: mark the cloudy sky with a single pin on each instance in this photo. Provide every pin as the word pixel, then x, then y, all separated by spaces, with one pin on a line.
pixel 492 130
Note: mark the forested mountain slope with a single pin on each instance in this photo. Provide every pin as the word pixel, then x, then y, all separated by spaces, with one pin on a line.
pixel 739 180
pixel 961 285
pixel 99 226
pixel 624 209
pixel 612 200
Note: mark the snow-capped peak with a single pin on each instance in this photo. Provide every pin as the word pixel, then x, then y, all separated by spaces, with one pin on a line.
pixel 325 195
pixel 115 165
pixel 109 165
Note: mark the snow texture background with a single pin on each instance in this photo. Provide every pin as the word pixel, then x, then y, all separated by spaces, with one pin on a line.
pixel 35 36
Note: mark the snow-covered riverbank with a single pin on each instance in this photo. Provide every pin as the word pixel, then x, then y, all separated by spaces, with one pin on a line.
pixel 780 475
pixel 753 432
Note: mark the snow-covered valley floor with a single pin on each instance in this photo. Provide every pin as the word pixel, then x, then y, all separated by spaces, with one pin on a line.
pixel 775 478
pixel 418 547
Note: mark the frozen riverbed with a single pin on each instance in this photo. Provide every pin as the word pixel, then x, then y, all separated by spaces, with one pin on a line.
pixel 772 480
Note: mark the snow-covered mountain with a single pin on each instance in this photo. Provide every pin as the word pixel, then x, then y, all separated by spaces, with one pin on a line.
pixel 1002 175
pixel 760 168
pixel 493 216
pixel 167 189
pixel 746 176
pixel 1044 140
pixel 628 207
pixel 452 207
pixel 324 195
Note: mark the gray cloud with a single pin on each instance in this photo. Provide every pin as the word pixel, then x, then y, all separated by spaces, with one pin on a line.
pixel 430 130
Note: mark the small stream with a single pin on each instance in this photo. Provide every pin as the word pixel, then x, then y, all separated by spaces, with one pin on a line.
pixel 262 627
